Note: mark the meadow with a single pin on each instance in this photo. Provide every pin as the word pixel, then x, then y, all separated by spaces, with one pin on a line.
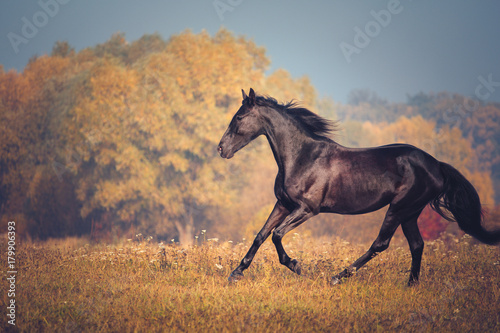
pixel 141 285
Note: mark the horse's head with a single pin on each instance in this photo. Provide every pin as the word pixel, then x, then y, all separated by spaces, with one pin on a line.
pixel 245 126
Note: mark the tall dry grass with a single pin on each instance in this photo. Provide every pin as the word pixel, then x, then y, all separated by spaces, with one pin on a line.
pixel 143 286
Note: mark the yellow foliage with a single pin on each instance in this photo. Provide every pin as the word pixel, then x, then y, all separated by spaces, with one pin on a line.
pixel 131 130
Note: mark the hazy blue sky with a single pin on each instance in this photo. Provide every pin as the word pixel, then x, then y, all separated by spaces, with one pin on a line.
pixel 427 45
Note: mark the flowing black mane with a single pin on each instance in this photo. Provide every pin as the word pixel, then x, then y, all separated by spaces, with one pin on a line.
pixel 314 125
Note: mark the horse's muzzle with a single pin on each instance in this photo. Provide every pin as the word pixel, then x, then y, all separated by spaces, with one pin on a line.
pixel 223 152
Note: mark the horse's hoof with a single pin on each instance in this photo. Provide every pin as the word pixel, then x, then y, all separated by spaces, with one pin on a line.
pixel 235 277
pixel 335 281
pixel 296 267
pixel 413 283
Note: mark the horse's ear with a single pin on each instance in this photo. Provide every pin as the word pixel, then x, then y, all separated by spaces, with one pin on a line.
pixel 251 97
pixel 244 95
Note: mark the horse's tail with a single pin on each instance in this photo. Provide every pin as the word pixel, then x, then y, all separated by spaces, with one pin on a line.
pixel 460 199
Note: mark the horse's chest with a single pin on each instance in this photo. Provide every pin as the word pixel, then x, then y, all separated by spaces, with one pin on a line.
pixel 283 193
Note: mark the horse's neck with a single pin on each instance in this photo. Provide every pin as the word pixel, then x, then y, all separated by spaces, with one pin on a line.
pixel 286 140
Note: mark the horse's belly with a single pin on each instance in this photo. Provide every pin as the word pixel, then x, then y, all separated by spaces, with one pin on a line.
pixel 356 200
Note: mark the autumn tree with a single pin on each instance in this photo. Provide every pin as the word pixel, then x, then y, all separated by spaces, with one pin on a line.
pixel 32 103
pixel 151 130
pixel 482 128
pixel 121 137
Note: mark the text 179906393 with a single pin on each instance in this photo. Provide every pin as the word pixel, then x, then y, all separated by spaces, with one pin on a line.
pixel 11 272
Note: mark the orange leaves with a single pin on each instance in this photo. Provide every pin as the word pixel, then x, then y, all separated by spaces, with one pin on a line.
pixel 431 224
pixel 134 127
pixel 156 122
pixel 176 160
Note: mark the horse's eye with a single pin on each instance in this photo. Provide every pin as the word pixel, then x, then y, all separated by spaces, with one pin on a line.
pixel 239 117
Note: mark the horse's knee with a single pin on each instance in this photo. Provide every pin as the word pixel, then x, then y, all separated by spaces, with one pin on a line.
pixel 277 236
pixel 259 239
pixel 378 247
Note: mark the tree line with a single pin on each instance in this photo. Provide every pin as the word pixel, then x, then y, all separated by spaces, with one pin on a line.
pixel 120 138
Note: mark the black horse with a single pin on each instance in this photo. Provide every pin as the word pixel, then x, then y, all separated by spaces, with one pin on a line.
pixel 318 175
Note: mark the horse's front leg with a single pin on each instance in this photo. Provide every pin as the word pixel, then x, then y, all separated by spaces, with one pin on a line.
pixel 296 218
pixel 277 216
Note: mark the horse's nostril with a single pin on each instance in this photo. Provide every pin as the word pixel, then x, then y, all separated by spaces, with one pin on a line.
pixel 219 149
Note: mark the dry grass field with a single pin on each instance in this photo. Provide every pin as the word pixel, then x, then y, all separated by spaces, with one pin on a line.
pixel 142 286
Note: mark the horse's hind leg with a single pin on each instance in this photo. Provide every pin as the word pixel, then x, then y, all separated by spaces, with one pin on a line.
pixel 393 219
pixel 391 222
pixel 410 229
